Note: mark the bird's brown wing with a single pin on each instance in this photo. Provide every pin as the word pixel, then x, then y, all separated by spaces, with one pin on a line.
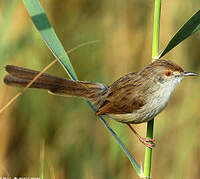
pixel 123 107
pixel 122 97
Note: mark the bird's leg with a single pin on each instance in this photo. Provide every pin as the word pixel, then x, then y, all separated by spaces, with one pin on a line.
pixel 145 141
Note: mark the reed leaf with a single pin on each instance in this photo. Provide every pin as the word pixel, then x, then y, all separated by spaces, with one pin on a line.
pixel 189 28
pixel 43 25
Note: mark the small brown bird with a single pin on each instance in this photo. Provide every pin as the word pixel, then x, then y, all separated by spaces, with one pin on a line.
pixel 134 98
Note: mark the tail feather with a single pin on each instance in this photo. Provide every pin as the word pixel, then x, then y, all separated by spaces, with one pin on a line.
pixel 20 82
pixel 28 74
pixel 19 76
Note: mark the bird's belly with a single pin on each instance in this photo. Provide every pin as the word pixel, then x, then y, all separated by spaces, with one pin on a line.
pixel 135 117
pixel 139 116
pixel 153 107
pixel 129 118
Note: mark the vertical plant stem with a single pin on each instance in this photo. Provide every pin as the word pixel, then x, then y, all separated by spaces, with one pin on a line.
pixel 155 52
pixel 42 160
pixel 156 29
pixel 148 151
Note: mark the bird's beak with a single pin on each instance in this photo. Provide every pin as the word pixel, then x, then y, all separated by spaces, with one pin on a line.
pixel 190 74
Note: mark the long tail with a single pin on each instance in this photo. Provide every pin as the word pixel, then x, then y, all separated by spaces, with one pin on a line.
pixel 19 76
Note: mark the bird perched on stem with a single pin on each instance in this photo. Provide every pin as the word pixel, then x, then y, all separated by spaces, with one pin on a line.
pixel 134 98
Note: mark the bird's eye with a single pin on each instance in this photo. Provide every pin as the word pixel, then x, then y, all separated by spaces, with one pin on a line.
pixel 168 73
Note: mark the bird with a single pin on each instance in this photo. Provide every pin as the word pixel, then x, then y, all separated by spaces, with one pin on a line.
pixel 132 99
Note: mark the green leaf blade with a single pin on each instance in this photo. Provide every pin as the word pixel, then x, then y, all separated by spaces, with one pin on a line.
pixel 189 28
pixel 43 25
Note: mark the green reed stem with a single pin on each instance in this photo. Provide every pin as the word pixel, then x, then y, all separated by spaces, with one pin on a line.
pixel 156 30
pixel 42 159
pixel 155 52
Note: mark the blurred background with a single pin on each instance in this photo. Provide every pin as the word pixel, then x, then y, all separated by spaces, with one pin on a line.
pixel 63 133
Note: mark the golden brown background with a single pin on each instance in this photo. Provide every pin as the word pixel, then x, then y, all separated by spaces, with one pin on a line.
pixel 76 143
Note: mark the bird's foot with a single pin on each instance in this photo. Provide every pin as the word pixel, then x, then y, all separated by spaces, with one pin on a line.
pixel 147 142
